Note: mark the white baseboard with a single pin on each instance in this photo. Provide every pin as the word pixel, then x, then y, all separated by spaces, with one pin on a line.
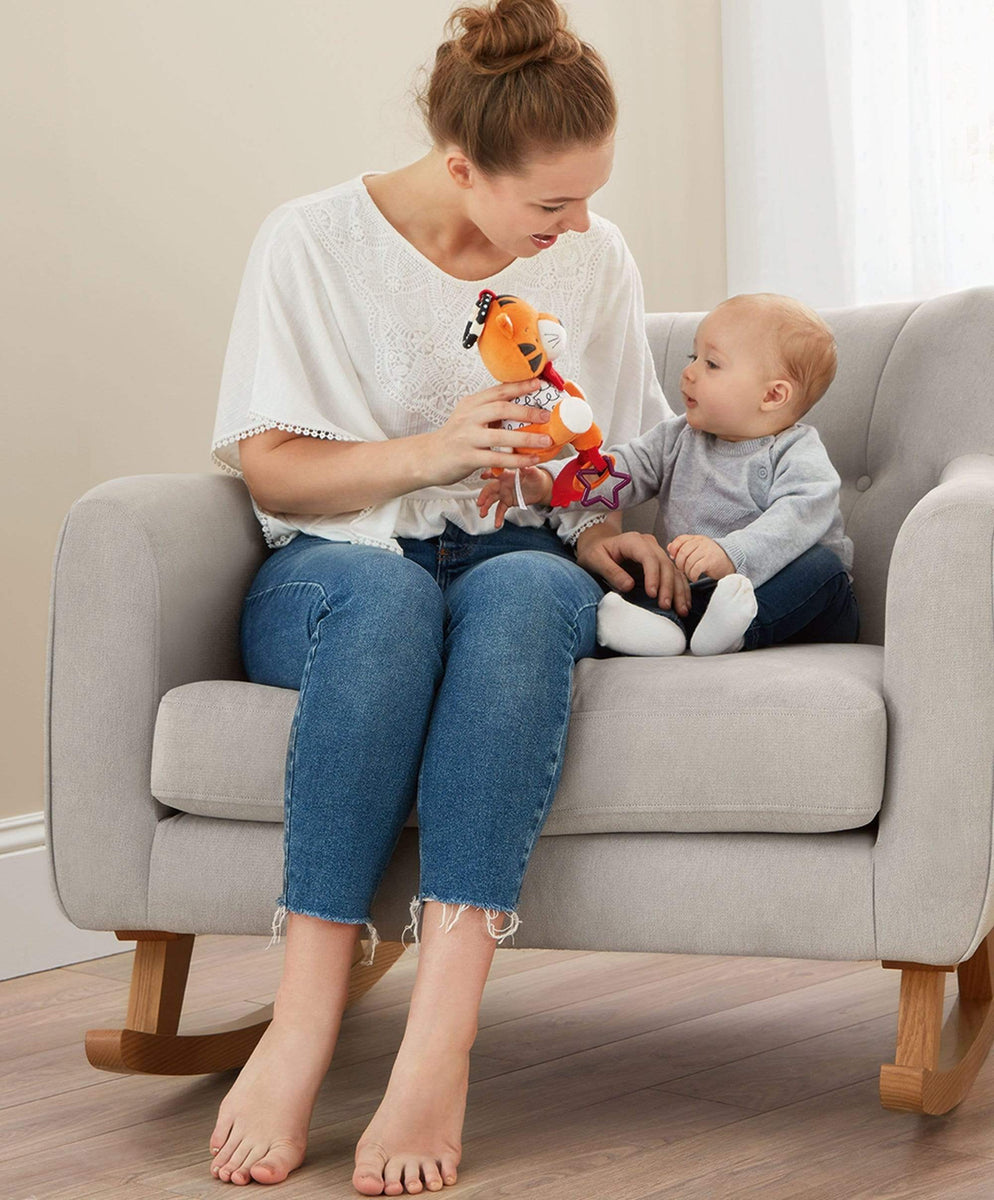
pixel 37 935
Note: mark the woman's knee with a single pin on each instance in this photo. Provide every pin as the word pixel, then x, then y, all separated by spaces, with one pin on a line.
pixel 528 596
pixel 360 595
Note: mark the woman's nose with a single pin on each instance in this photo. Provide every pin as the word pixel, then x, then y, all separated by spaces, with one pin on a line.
pixel 579 220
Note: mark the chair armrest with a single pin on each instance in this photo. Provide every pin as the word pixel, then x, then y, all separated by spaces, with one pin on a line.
pixel 147 585
pixel 932 862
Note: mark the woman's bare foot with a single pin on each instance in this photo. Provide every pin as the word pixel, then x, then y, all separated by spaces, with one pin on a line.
pixel 415 1139
pixel 262 1124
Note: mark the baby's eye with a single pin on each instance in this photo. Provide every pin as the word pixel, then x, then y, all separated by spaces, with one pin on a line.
pixel 712 365
pixel 691 357
pixel 546 208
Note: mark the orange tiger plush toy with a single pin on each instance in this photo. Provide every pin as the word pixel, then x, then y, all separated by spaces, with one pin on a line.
pixel 516 342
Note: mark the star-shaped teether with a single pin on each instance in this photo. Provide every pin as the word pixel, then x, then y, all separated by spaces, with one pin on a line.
pixel 592 477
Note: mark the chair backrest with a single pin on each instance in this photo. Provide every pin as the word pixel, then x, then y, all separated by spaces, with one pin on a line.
pixel 914 390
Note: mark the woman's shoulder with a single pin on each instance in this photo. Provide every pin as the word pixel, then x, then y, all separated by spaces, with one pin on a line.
pixel 338 205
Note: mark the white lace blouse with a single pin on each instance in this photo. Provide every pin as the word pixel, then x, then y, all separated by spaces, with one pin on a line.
pixel 344 330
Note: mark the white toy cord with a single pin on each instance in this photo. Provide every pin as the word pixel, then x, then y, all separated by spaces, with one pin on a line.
pixel 522 503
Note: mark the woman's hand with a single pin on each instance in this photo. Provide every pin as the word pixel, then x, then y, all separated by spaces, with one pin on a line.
pixel 463 444
pixel 603 553
pixel 535 484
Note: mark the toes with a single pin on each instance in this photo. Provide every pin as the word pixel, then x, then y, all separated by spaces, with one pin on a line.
pixel 367 1179
pixel 432 1176
pixel 412 1177
pixel 222 1132
pixel 269 1170
pixel 392 1177
pixel 222 1158
pixel 235 1160
pixel 449 1172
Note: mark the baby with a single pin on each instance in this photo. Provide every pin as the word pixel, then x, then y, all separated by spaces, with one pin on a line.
pixel 747 494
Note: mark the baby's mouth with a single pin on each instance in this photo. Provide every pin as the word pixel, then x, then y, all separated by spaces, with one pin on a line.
pixel 689 401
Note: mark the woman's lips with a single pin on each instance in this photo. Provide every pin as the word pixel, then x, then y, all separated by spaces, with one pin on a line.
pixel 544 240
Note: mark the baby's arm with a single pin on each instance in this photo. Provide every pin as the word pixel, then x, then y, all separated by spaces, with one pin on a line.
pixel 648 459
pixel 803 503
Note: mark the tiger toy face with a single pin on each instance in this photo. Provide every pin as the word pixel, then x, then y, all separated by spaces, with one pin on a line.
pixel 517 341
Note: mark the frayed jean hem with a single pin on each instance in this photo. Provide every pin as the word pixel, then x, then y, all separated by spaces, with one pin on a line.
pixel 280 916
pixel 449 920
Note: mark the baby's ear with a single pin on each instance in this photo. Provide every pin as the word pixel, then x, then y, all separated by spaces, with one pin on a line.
pixel 778 395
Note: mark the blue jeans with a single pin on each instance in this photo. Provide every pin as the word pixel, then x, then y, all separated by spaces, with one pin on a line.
pixel 810 600
pixel 444 676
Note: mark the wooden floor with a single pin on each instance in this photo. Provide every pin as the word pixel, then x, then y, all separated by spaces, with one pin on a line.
pixel 595 1077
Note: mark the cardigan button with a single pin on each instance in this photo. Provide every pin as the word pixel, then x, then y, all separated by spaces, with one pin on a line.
pixel 863 483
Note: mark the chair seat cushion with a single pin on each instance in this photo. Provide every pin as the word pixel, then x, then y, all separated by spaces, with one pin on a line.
pixel 785 740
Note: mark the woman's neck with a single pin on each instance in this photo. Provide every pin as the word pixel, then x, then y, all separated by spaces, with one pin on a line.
pixel 427 209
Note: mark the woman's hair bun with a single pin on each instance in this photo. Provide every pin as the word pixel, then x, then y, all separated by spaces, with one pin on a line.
pixel 511 34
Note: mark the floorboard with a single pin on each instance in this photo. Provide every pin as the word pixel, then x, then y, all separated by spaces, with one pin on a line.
pixel 602 1076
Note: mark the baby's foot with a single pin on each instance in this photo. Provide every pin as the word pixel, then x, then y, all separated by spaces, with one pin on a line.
pixel 261 1130
pixel 414 1140
pixel 632 630
pixel 729 614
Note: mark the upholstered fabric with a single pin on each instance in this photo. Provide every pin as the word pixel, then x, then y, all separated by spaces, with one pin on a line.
pixel 148 580
pixel 788 741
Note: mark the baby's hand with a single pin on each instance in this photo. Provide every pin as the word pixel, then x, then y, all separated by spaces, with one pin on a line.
pixel 536 488
pixel 697 555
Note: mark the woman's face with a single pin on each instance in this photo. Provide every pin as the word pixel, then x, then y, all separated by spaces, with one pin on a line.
pixel 523 214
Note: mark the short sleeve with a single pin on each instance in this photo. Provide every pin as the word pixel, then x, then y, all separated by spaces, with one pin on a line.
pixel 287 365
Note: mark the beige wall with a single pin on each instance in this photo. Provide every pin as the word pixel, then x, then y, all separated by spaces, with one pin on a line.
pixel 144 142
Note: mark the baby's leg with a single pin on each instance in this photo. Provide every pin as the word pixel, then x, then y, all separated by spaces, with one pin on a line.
pixel 729 614
pixel 633 630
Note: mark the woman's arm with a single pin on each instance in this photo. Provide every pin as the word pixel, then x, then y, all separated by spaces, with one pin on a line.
pixel 294 473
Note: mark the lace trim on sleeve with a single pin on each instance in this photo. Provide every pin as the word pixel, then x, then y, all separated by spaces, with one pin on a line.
pixel 571 537
pixel 260 425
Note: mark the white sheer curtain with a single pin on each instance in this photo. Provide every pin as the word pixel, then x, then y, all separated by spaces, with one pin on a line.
pixel 859 147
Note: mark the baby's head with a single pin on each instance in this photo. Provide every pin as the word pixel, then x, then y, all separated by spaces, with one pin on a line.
pixel 759 363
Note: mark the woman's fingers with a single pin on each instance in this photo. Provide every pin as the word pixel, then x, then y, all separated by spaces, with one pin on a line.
pixel 517 438
pixel 503 410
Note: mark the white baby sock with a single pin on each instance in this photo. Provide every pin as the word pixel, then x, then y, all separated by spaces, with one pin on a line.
pixel 729 614
pixel 632 630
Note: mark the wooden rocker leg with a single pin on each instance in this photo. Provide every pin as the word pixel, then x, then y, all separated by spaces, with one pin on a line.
pixel 934 1067
pixel 150 1044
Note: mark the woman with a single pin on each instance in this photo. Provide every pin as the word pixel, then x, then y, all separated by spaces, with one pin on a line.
pixel 433 655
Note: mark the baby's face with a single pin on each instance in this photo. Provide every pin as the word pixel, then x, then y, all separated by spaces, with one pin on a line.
pixel 728 376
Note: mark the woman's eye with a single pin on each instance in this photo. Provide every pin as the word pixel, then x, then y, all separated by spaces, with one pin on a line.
pixel 558 208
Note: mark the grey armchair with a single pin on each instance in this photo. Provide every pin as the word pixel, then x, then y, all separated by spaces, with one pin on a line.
pixel 848 808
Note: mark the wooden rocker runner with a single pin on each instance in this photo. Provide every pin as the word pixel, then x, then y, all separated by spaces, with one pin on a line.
pixel 150 1044
pixel 934 1068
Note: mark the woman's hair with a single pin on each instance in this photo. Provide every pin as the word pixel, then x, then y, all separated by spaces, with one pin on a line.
pixel 512 79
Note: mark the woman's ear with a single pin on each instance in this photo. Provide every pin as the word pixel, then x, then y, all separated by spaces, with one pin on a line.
pixel 459 167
